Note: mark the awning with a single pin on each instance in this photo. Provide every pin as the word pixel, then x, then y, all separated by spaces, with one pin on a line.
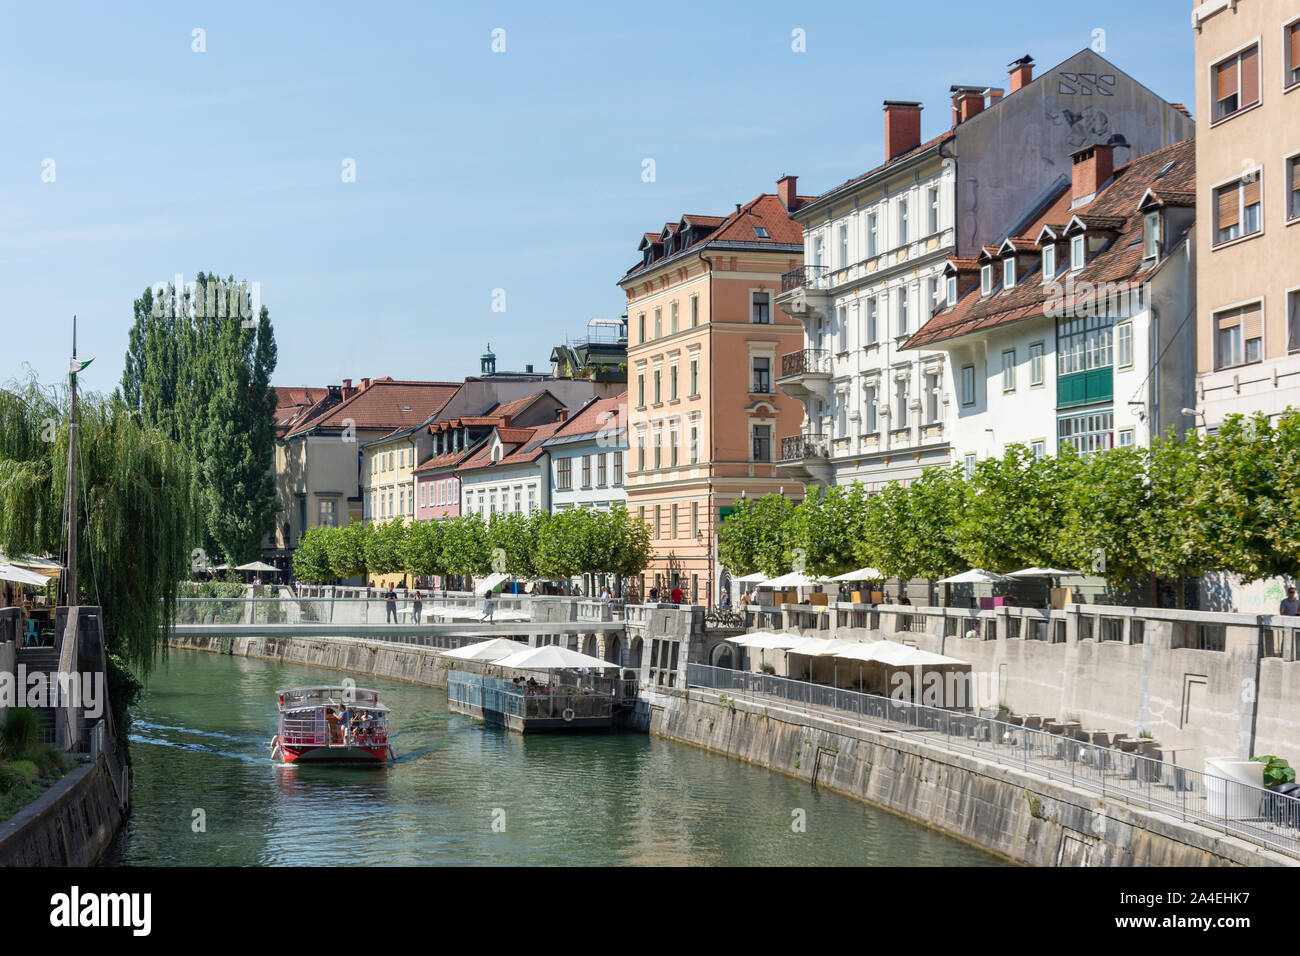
pixel 794 579
pixel 1044 573
pixel 489 651
pixel 16 575
pixel 490 582
pixel 861 574
pixel 894 654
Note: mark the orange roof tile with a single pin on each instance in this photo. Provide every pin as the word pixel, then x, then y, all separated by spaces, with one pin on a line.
pixel 387 404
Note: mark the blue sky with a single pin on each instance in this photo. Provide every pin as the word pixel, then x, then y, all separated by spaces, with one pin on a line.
pixel 474 170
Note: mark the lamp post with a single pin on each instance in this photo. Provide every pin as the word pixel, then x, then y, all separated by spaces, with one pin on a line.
pixel 1194 414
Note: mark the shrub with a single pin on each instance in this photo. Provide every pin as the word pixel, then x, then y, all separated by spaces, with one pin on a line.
pixel 20 730
pixel 48 758
pixel 25 769
pixel 1276 770
pixel 8 778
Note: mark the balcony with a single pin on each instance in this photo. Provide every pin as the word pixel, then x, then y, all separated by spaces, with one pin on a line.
pixel 807 458
pixel 805 292
pixel 806 374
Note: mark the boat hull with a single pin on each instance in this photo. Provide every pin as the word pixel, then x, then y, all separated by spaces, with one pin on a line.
pixel 332 754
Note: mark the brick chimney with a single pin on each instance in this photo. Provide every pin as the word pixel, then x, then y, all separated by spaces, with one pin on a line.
pixel 1092 168
pixel 902 127
pixel 561 414
pixel 347 384
pixel 365 384
pixel 966 102
pixel 787 189
pixel 1021 73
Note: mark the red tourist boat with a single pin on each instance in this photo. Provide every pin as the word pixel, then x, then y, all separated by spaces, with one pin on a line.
pixel 331 725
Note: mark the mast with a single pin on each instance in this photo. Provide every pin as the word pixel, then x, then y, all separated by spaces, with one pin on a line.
pixel 70 573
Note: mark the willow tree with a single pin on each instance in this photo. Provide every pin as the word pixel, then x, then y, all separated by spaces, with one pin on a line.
pixel 136 517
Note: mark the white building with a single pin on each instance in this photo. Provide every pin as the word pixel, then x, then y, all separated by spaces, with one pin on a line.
pixel 587 455
pixel 876 249
pixel 510 473
pixel 1077 331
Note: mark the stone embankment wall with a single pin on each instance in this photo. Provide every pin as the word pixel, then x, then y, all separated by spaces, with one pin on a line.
pixel 71 824
pixel 1020 816
pixel 419 665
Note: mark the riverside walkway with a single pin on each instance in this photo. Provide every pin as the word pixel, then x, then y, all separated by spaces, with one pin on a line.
pixel 1261 816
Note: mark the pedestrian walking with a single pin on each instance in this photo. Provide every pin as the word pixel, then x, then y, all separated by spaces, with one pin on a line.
pixel 1290 606
pixel 416 607
pixel 390 606
pixel 487 609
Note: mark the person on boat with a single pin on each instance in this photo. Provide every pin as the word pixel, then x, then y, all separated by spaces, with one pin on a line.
pixel 417 607
pixel 332 719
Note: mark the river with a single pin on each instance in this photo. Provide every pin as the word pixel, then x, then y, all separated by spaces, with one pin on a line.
pixel 207 794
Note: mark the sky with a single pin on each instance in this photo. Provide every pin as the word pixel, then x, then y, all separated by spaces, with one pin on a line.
pixel 146 140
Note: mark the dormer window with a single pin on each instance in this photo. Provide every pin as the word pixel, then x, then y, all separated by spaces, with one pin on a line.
pixel 986 279
pixel 1009 272
pixel 1049 262
pixel 1151 236
pixel 761 232
pixel 952 290
pixel 1078 252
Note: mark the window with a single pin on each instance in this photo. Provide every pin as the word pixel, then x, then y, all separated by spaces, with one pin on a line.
pixel 968 384
pixel 659 447
pixel 1078 253
pixel 931 293
pixel 1239 336
pixel 640 451
pixel 1291 54
pixel 695 519
pixel 1083 344
pixel 970 465
pixel 869 409
pixel 1009 272
pixel 640 322
pixel 672 317
pixel 1124 345
pixel 1151 236
pixel 1049 262
pixel 902 221
pixel 762 376
pixel 325 514
pixel 841 329
pixel 952 291
pixel 1237 209
pixel 640 390
pixel 424 496
pixel 1293 183
pixel 695 311
pixel 932 397
pixel 1293 321
pixel 1038 449
pixel 1235 83
pixel 659 322
pixel 904 303
pixel 564 474
pixel 844 246
pixel 933 222
pixel 873 236
pixel 1088 432
pixel 672 382
pixel 818 255
pixel 695 444
pixel 1036 364
pixel 1126 438
pixel 586 471
pixel 986 280
pixel 1009 370
pixel 673 445
pixel 659 530
pixel 762 443
pixel 658 385
pixel 695 377
pixel 901 419
pixel 762 308
pixel 618 469
pixel 872 332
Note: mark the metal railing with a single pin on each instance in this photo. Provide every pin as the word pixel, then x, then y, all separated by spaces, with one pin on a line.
pixel 1261 816
pixel 796 447
pixel 596 696
pixel 805 362
pixel 805 277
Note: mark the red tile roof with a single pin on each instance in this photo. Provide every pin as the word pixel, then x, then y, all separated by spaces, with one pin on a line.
pixel 293 404
pixel 1115 208
pixel 387 404
pixel 603 413
pixel 526 442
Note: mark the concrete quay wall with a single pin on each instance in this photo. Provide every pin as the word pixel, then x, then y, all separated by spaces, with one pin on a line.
pixel 71 824
pixel 1020 816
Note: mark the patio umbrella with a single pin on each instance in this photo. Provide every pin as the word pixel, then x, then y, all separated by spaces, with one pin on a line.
pixel 257 566
pixel 488 651
pixel 795 579
pixel 754 578
pixel 489 582
pixel 551 657
pixel 861 574
pixel 974 576
pixel 9 572
pixel 1044 573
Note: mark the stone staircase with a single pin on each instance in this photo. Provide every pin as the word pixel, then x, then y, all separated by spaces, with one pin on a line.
pixel 40 660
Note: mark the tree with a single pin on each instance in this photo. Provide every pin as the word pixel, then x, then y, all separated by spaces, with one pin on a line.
pixel 422 549
pixel 513 541
pixel 1284 531
pixel 752 538
pixel 349 550
pixel 465 548
pixel 311 559
pixel 386 547
pixel 822 532
pixel 1174 539
pixel 1103 530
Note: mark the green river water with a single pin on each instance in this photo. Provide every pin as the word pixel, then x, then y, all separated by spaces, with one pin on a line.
pixel 465 793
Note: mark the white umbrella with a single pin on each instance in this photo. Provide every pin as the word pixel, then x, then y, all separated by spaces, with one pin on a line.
pixel 777 641
pixel 747 640
pixel 795 579
pixel 552 657
pixel 257 566
pixel 1044 573
pixel 9 572
pixel 894 654
pixel 489 651
pixel 973 576
pixel 489 582
pixel 754 578
pixel 861 574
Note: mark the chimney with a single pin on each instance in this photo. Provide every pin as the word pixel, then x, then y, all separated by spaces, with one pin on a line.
pixel 1021 73
pixel 993 94
pixel 561 414
pixel 966 102
pixel 902 127
pixel 1092 169
pixel 786 188
pixel 347 384
pixel 365 384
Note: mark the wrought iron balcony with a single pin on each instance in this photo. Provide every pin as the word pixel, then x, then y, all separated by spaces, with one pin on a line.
pixel 806 362
pixel 798 447
pixel 805 277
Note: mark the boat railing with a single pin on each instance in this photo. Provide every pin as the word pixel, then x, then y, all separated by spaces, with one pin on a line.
pixel 313 731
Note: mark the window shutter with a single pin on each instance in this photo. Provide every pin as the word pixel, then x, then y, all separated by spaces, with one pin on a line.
pixel 1229 319
pixel 1251 190
pixel 1295 167
pixel 1250 77
pixel 1227 203
pixel 1252 318
pixel 1295 45
pixel 1226 81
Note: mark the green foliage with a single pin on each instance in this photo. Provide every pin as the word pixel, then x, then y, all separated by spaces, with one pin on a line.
pixel 465 548
pixel 822 533
pixel 385 546
pixel 422 549
pixel 49 759
pixel 19 731
pixel 25 770
pixel 137 513
pixel 349 550
pixel 514 541
pixel 124 689
pixel 753 537
pixel 9 779
pixel 1276 770
pixel 203 378
pixel 311 559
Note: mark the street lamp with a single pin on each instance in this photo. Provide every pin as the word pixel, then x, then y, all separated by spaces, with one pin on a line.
pixel 1193 413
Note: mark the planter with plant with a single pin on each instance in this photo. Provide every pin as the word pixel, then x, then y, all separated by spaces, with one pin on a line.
pixel 1276 770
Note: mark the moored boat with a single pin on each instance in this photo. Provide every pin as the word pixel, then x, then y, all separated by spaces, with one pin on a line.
pixel 331 724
